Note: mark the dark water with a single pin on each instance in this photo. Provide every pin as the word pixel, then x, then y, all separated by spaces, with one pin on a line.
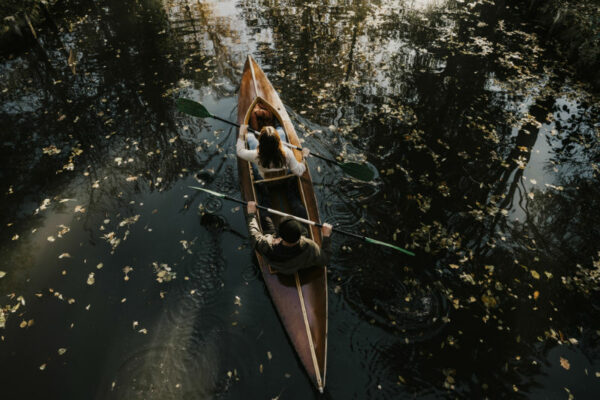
pixel 488 152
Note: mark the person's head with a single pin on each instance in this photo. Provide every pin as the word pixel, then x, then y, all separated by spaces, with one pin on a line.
pixel 261 116
pixel 290 230
pixel 270 150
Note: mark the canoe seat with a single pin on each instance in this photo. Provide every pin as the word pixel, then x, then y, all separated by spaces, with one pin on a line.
pixel 277 178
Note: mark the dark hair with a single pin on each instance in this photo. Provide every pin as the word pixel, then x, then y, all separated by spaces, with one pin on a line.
pixel 290 230
pixel 270 151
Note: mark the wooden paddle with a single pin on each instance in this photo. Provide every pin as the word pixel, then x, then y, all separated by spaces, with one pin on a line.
pixel 305 221
pixel 356 170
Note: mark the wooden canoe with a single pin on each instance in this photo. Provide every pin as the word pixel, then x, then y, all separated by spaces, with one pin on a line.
pixel 300 299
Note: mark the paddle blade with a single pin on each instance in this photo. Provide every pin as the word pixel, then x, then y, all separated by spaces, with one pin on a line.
pixel 369 240
pixel 216 194
pixel 359 171
pixel 193 108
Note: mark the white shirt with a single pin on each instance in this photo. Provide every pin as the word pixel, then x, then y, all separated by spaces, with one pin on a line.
pixel 252 156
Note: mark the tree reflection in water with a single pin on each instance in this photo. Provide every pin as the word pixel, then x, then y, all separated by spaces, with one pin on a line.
pixel 487 151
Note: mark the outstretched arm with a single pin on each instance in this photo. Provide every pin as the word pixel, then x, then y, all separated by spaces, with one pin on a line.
pixel 324 253
pixel 262 243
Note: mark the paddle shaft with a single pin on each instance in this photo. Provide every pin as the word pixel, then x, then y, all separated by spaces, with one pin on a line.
pixel 306 221
pixel 299 219
pixel 256 134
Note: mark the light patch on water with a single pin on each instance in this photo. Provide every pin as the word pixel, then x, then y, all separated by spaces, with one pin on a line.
pixel 426 4
pixel 177 362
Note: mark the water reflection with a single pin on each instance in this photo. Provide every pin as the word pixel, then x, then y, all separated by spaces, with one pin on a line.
pixel 488 168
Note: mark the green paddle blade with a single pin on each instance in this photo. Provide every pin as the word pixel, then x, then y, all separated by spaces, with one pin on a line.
pixel 216 194
pixel 369 240
pixel 192 108
pixel 358 171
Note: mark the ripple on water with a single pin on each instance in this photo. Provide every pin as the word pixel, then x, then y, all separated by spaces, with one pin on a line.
pixel 206 269
pixel 345 207
pixel 201 280
pixel 211 205
pixel 357 191
pixel 212 222
pixel 372 351
pixel 250 273
pixel 226 182
pixel 343 211
pixel 412 312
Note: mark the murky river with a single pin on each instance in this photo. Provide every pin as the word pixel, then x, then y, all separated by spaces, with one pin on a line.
pixel 119 282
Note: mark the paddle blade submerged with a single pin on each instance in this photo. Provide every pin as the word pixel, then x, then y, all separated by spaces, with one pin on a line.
pixel 193 108
pixel 362 172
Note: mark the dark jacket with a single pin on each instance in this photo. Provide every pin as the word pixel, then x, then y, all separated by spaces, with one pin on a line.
pixel 284 259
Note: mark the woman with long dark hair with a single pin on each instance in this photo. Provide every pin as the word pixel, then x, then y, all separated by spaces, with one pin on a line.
pixel 269 155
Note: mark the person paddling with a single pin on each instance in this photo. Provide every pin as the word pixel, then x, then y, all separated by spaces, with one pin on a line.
pixel 289 250
pixel 271 156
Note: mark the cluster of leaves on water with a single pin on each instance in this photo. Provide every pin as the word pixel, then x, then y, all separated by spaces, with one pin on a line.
pixel 574 28
pixel 88 134
pixel 454 105
pixel 454 114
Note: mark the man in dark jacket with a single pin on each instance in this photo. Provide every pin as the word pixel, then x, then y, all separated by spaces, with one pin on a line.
pixel 291 251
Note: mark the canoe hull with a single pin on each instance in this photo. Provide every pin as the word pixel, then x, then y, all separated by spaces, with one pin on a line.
pixel 300 299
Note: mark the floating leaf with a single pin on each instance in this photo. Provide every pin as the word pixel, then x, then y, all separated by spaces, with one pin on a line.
pixel 91 280
pixel 565 363
pixel 129 221
pixel 127 269
pixel 62 351
pixel 51 150
pixel 535 274
pixel 489 301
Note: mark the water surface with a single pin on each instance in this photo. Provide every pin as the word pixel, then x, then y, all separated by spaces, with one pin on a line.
pixel 121 282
